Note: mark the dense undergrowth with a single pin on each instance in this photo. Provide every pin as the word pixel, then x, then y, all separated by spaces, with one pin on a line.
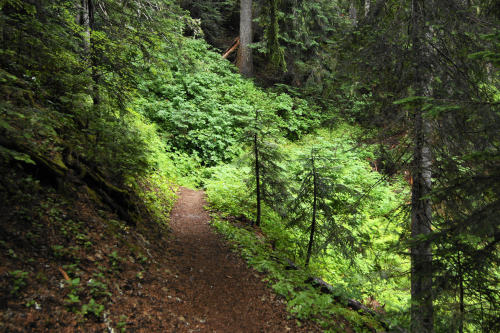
pixel 203 107
pixel 366 269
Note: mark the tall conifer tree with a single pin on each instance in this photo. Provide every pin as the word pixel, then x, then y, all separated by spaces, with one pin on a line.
pixel 244 59
pixel 421 214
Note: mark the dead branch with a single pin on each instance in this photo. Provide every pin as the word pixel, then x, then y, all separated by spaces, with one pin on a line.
pixel 234 46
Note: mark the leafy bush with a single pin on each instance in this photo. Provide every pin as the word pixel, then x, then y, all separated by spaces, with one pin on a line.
pixel 227 191
pixel 203 106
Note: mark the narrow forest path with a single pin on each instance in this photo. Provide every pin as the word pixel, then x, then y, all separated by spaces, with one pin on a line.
pixel 215 289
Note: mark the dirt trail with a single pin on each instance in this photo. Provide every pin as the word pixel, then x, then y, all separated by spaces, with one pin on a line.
pixel 215 290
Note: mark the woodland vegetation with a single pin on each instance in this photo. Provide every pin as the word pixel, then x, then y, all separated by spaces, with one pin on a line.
pixel 361 137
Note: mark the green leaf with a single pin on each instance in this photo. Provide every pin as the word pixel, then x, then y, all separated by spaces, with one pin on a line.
pixel 411 100
pixel 12 154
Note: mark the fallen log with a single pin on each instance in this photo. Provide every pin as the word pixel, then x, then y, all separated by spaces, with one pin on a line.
pixel 234 46
pixel 326 288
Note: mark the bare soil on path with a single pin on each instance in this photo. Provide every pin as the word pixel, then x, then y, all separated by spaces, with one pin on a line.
pixel 215 291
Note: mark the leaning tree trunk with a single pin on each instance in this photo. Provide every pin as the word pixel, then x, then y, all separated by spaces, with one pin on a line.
pixel 421 254
pixel 244 59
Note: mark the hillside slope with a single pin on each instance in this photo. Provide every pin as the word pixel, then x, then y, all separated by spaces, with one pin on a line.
pixel 71 264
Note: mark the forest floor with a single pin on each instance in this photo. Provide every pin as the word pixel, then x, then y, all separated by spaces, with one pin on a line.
pixel 186 280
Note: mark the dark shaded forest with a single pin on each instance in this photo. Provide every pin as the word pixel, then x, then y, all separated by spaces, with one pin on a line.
pixel 348 149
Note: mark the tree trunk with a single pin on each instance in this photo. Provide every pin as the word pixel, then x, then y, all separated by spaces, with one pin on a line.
pixel 353 13
pixel 85 23
pixel 461 286
pixel 244 59
pixel 257 171
pixel 421 254
pixel 313 223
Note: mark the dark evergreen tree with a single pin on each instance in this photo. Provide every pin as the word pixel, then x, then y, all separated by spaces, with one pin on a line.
pixel 244 59
pixel 270 21
pixel 468 197
pixel 318 202
pixel 267 158
pixel 449 115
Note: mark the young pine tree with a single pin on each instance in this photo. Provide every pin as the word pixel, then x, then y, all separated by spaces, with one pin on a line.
pixel 268 179
pixel 318 201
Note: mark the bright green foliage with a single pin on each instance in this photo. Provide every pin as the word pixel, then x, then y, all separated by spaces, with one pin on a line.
pixel 371 205
pixel 318 199
pixel 204 108
pixel 366 209
pixel 228 192
pixel 201 106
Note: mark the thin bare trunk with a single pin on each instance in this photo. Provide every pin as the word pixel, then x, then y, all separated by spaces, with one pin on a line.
pixel 313 223
pixel 257 173
pixel 461 286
